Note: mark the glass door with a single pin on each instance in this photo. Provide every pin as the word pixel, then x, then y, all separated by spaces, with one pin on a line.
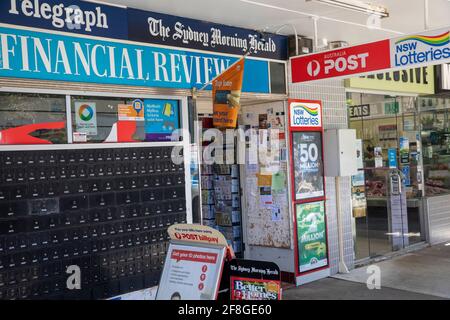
pixel 385 221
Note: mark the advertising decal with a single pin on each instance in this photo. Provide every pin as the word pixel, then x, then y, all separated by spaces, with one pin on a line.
pixel 312 242
pixel 86 117
pixel 254 280
pixel 308 165
pixel 162 118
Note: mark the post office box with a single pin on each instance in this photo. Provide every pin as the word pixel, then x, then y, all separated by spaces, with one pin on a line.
pixel 2 245
pixel 103 230
pixel 66 251
pixel 102 200
pixel 67 188
pixel 144 182
pixel 158 208
pixel 6 210
pixel 95 246
pixel 44 206
pixel 108 155
pixel 51 189
pixel 31 175
pixel 145 210
pixel 12 293
pixel 157 181
pixel 56 237
pixel 37 223
pixel 152 195
pixel 63 172
pixel 33 273
pixel 45 238
pixel 7 159
pixel 8 177
pixel 107 185
pixel 151 167
pixel 119 227
pixel 85 248
pixel 121 184
pixel 136 226
pixel 134 211
pixel 72 203
pixel 18 192
pixel 8 227
pixel 133 183
pixel 137 240
pixel 94 232
pixel 4 194
pixel 145 225
pixel 80 186
pixel 126 168
pixel 128 197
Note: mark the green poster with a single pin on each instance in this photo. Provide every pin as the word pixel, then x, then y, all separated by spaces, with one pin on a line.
pixel 311 233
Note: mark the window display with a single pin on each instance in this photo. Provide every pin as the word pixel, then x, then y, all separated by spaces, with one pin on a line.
pixel 97 120
pixel 434 118
pixel 32 119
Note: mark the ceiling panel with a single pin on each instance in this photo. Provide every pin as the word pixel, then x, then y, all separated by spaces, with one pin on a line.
pixel 406 16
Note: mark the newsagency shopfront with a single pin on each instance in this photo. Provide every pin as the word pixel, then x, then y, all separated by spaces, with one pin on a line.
pixel 91 104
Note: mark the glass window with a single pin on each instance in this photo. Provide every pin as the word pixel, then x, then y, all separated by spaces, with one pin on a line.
pixel 32 119
pixel 101 119
pixel 435 124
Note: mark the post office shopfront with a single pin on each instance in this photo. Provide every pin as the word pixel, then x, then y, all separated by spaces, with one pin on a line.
pixel 88 122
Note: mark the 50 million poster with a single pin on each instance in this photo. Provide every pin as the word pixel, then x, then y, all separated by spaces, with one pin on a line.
pixel 312 237
pixel 308 165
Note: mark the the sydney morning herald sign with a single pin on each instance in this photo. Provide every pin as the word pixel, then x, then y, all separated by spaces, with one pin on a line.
pixel 106 21
pixel 174 31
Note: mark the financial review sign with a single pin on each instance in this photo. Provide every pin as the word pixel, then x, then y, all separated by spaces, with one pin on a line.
pixel 421 49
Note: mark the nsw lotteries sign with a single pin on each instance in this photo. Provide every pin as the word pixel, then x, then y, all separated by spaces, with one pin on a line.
pixel 304 114
pixel 423 48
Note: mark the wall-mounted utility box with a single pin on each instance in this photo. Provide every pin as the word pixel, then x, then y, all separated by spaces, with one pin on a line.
pixel 340 152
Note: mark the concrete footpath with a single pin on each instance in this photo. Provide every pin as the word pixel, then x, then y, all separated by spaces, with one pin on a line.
pixel 424 274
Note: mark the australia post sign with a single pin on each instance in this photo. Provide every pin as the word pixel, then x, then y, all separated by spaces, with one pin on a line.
pixel 426 48
pixel 341 62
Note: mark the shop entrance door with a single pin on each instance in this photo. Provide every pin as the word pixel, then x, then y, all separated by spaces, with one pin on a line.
pixel 388 188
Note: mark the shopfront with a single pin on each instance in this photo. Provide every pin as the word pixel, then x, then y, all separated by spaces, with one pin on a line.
pixel 399 128
pixel 90 118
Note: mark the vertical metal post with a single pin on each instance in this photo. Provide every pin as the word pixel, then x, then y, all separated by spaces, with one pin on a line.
pixel 426 14
pixel 316 33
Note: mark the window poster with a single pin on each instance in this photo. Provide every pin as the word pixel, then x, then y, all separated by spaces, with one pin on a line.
pixel 308 165
pixel 311 233
pixel 162 118
pixel 86 118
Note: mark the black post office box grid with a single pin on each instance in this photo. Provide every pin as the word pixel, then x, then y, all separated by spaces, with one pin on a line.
pixel 104 210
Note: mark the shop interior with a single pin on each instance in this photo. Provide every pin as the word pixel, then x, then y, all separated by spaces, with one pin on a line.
pixel 405 134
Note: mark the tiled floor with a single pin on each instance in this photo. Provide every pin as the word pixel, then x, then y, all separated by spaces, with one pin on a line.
pixel 426 271
pixel 424 274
